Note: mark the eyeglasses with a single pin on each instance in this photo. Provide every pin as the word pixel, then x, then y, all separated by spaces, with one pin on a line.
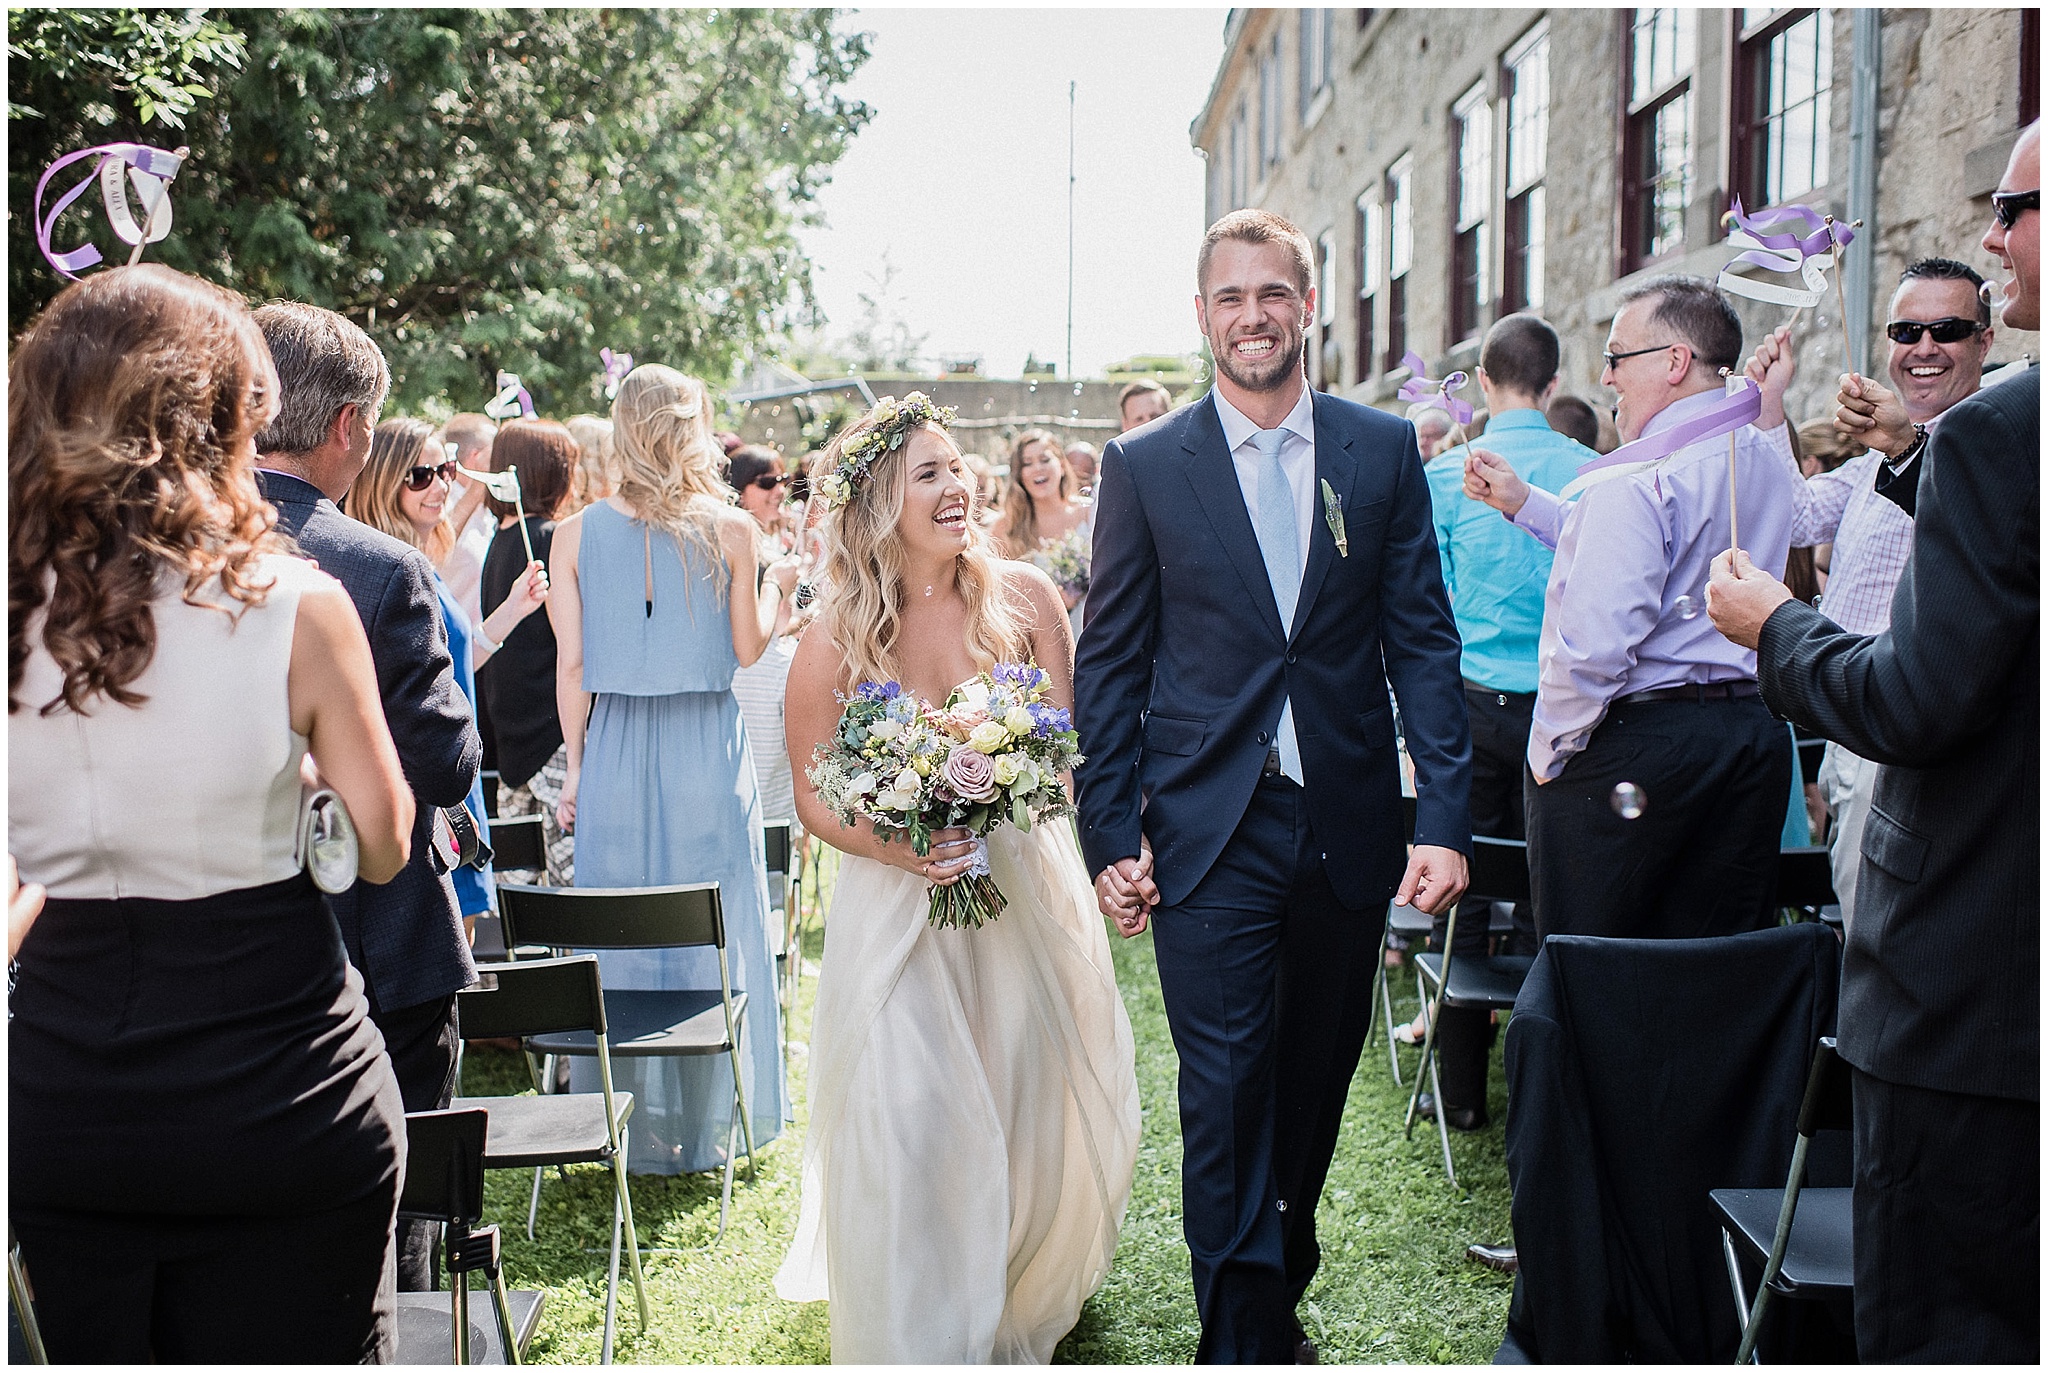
pixel 1611 358
pixel 1953 329
pixel 768 481
pixel 420 478
pixel 2008 206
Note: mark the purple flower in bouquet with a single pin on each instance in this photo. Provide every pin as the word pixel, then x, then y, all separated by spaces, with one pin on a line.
pixel 971 773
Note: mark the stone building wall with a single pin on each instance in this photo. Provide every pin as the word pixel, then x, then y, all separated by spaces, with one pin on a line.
pixel 1948 88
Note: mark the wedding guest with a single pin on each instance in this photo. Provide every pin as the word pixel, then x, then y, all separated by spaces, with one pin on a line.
pixel 1821 449
pixel 756 476
pixel 205 1137
pixel 404 492
pixel 1657 783
pixel 1432 429
pixel 517 683
pixel 593 435
pixel 462 565
pixel 1940 332
pixel 405 937
pixel 1496 575
pixel 1141 402
pixel 1574 418
pixel 655 606
pixel 1944 1055
pixel 1082 459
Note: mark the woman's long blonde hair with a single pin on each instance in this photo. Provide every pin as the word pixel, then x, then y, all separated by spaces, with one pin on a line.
pixel 864 572
pixel 1020 512
pixel 396 447
pixel 665 461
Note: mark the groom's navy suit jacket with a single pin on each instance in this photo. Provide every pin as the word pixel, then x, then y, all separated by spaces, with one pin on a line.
pixel 1183 663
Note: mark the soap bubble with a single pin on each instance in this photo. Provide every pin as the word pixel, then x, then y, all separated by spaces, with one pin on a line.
pixel 1077 388
pixel 1032 388
pixel 1628 801
pixel 1687 608
pixel 774 409
pixel 1989 293
pixel 987 406
pixel 1074 414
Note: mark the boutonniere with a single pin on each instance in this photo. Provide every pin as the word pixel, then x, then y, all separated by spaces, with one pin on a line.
pixel 1333 515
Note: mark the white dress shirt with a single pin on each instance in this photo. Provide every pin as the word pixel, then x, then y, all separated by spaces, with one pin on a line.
pixel 1298 464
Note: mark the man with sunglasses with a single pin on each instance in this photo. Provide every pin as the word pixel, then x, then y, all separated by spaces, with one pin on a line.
pixel 1941 977
pixel 1940 331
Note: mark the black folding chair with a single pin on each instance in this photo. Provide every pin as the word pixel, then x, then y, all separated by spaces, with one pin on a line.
pixel 549 997
pixel 444 1182
pixel 1805 882
pixel 1801 1235
pixel 645 1024
pixel 517 845
pixel 785 913
pixel 1500 872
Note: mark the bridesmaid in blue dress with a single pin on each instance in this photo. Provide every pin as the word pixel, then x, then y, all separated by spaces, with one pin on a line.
pixel 658 598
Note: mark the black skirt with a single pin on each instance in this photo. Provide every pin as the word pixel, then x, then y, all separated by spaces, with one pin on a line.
pixel 207 1058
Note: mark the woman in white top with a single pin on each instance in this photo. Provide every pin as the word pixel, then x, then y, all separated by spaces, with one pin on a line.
pixel 205 1133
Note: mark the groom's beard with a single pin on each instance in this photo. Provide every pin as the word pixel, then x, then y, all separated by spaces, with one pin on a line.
pixel 1269 375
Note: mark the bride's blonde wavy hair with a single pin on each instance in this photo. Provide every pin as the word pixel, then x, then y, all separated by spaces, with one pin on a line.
pixel 864 572
pixel 667 461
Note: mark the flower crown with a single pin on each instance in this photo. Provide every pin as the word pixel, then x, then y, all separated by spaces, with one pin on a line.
pixel 889 426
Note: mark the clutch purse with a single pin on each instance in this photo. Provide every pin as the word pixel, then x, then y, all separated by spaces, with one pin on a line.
pixel 327 847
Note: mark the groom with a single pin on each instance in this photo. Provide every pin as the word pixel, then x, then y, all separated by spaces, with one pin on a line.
pixel 1264 567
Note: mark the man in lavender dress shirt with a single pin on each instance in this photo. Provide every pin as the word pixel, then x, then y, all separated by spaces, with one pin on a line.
pixel 1940 331
pixel 1657 779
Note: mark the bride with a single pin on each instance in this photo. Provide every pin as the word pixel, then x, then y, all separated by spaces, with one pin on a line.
pixel 974 1109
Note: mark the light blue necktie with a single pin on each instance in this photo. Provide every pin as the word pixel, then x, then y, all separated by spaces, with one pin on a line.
pixel 1280 541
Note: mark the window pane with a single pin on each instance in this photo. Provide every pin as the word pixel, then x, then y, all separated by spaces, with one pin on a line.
pixel 1670 175
pixel 1528 114
pixel 1532 256
pixel 1662 44
pixel 1475 156
pixel 1326 288
pixel 1401 236
pixel 1792 73
pixel 1370 248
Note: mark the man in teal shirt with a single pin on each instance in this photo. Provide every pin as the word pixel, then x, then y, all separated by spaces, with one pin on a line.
pixel 1496 575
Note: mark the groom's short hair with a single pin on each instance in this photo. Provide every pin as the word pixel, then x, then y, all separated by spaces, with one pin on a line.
pixel 1257 226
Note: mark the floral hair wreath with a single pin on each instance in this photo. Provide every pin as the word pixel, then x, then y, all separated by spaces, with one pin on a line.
pixel 888 427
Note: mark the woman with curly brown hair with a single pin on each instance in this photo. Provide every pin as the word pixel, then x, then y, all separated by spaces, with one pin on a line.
pixel 206 1135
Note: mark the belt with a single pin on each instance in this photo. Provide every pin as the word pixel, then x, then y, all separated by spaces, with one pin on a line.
pixel 1701 692
pixel 1272 767
pixel 1473 688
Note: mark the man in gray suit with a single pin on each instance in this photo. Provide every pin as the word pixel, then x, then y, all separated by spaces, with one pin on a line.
pixel 1941 978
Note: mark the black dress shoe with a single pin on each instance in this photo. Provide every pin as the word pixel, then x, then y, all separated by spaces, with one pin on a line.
pixel 1304 1347
pixel 1499 1257
pixel 1464 1119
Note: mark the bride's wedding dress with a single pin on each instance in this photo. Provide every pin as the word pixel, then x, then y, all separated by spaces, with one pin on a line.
pixel 974 1115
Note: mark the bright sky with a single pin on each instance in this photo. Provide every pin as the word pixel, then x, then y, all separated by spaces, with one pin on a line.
pixel 961 179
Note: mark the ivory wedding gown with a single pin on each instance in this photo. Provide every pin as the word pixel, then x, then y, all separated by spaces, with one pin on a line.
pixel 974 1115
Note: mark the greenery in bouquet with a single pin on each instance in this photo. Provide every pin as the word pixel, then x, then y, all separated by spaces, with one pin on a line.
pixel 1065 560
pixel 994 752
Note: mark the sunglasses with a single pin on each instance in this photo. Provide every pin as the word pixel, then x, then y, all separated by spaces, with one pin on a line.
pixel 1953 329
pixel 2008 206
pixel 420 478
pixel 768 481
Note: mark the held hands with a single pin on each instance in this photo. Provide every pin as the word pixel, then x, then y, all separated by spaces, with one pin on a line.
pixel 1435 878
pixel 1126 893
pixel 1868 414
pixel 1771 369
pixel 1741 596
pixel 1489 480
pixel 952 854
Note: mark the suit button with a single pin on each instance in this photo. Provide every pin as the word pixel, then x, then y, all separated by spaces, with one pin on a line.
pixel 1290 660
pixel 1262 736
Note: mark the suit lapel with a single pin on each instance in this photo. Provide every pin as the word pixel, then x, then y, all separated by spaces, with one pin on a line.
pixel 1213 476
pixel 1336 465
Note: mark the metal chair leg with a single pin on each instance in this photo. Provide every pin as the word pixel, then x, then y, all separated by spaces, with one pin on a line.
pixel 625 1204
pixel 1435 1014
pixel 458 1306
pixel 1735 1281
pixel 508 1333
pixel 24 1303
pixel 611 1286
pixel 1443 1131
pixel 1383 994
pixel 1787 1209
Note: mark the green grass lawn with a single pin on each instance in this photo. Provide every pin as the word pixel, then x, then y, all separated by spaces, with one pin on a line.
pixel 1395 1285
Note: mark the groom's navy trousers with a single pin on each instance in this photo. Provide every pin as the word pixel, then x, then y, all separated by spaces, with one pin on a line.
pixel 1272 893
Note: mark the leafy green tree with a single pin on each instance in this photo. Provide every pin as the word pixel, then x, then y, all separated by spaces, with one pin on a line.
pixel 486 189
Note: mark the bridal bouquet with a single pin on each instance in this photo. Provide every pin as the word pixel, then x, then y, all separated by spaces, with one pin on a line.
pixel 993 752
pixel 1065 560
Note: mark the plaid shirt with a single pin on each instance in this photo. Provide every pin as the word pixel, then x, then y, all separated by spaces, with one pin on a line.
pixel 1872 537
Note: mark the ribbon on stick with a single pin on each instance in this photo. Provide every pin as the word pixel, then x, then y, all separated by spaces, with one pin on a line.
pixel 149 170
pixel 505 486
pixel 1775 248
pixel 512 400
pixel 616 365
pixel 1418 389
pixel 1730 414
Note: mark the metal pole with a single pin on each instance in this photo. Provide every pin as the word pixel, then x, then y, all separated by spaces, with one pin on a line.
pixel 1070 230
pixel 1860 261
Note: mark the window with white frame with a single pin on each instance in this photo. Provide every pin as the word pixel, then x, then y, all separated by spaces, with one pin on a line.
pixel 1317 32
pixel 1240 152
pixel 1657 180
pixel 1525 86
pixel 1327 369
pixel 1372 248
pixel 1269 106
pixel 1784 76
pixel 1400 253
pixel 1471 196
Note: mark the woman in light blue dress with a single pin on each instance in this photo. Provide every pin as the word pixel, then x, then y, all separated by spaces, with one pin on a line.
pixel 655 605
